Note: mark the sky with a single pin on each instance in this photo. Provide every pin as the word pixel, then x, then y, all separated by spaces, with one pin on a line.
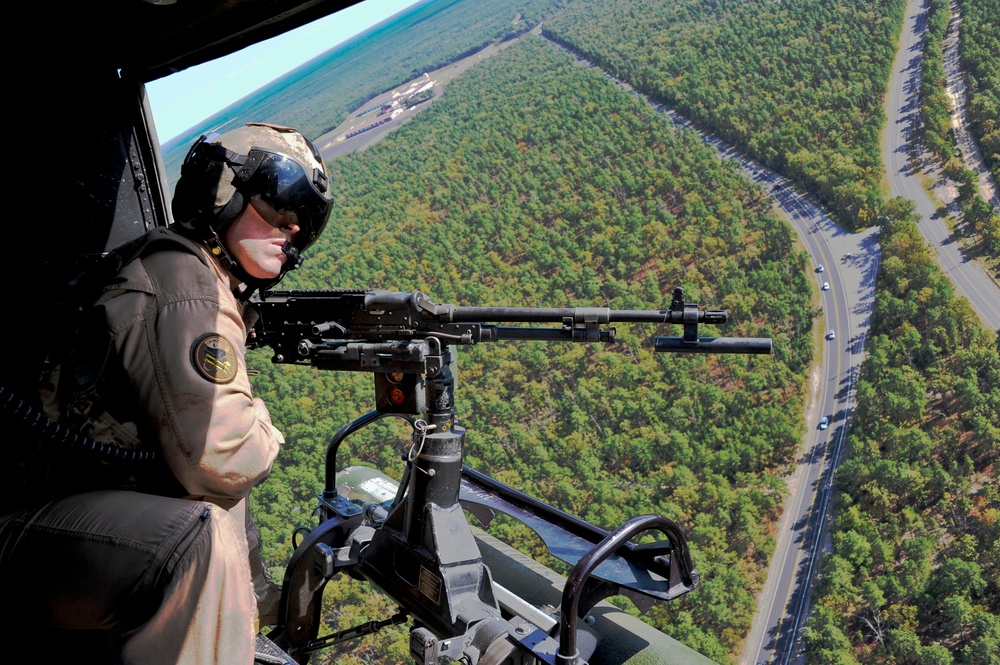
pixel 184 99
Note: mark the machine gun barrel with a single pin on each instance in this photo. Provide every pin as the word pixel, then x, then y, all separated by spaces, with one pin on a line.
pixel 579 315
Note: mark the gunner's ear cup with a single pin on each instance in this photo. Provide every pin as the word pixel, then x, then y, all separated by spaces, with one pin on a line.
pixel 195 194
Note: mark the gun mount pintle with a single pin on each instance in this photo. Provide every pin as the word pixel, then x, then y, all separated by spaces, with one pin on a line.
pixel 417 546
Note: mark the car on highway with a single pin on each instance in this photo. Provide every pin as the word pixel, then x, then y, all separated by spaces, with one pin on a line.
pixel 824 422
pixel 820 268
pixel 831 335
pixel 826 286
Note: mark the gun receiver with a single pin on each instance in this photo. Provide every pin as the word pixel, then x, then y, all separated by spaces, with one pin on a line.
pixel 417 547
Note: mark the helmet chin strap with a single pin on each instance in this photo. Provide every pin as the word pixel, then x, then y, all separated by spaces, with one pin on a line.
pixel 218 250
pixel 292 257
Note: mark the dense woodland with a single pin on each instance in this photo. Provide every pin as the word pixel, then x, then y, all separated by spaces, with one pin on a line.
pixel 935 109
pixel 797 85
pixel 535 181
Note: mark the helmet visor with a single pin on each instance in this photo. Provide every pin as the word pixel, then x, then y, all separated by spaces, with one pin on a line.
pixel 283 183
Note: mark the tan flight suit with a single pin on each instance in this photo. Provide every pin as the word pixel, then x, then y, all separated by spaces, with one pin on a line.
pixel 179 332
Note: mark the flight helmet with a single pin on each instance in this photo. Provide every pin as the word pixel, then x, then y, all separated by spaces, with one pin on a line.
pixel 222 172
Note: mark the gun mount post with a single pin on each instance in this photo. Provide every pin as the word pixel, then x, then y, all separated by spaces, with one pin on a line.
pixel 420 550
pixel 425 554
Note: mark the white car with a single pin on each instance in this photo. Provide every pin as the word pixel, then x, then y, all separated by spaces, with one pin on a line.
pixel 824 423
pixel 819 268
pixel 826 286
pixel 831 335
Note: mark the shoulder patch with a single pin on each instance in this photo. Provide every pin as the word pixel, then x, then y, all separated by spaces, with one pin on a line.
pixel 215 358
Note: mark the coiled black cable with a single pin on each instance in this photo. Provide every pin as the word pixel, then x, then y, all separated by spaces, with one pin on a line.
pixel 39 423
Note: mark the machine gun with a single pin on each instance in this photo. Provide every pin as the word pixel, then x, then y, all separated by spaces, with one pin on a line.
pixel 417 546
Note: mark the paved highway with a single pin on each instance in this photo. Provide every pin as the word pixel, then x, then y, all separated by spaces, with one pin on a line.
pixel 784 602
pixel 905 169
pixel 850 264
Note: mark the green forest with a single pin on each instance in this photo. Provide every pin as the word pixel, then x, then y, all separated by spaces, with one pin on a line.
pixel 979 54
pixel 935 110
pixel 535 181
pixel 796 85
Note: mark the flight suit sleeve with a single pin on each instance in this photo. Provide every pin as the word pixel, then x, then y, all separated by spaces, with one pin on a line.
pixel 186 359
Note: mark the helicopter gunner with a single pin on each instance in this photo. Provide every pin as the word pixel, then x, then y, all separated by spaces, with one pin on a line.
pixel 163 561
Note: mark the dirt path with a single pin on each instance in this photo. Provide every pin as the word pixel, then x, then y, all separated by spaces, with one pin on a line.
pixel 967 145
